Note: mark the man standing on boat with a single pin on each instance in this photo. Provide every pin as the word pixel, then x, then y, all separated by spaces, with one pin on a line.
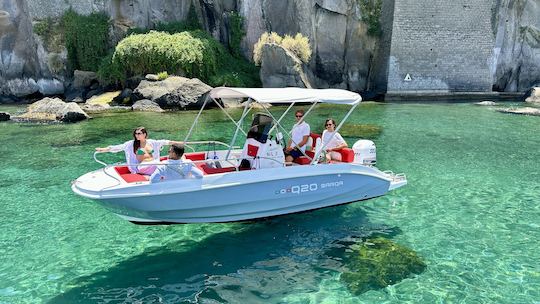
pixel 296 146
pixel 174 167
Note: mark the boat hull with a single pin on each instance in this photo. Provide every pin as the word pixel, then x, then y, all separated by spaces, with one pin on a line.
pixel 240 196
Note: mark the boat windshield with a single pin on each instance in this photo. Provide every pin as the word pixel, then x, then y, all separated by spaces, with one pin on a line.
pixel 260 127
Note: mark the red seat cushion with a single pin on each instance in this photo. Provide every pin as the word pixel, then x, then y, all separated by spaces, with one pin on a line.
pixel 209 170
pixel 133 178
pixel 347 155
pixel 196 156
pixel 302 160
pixel 122 170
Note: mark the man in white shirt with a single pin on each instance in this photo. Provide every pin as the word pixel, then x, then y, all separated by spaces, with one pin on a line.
pixel 299 137
pixel 175 168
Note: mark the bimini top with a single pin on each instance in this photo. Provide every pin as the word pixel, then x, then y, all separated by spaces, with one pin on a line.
pixel 288 95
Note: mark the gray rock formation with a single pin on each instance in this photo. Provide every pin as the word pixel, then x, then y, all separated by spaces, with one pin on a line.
pixel 53 109
pixel 174 92
pixel 535 95
pixel 4 116
pixel 280 68
pixel 517 45
pixel 486 103
pixel 146 105
pixel 49 87
pixel 83 79
pixel 18 50
pixel 522 111
pixel 344 55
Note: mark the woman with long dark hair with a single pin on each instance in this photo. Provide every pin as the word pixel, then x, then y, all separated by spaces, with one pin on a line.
pixel 332 141
pixel 140 150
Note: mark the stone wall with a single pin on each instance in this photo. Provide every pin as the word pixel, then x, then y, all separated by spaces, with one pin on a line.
pixel 442 45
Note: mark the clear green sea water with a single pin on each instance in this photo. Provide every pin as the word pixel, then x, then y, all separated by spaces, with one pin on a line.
pixel 471 211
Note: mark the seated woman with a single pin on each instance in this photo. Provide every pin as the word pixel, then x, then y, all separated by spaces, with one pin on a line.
pixel 332 141
pixel 140 150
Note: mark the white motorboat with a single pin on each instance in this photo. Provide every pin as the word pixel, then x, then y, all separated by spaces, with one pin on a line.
pixel 249 183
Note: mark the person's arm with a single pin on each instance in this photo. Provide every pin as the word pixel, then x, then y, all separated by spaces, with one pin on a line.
pixel 288 148
pixel 196 172
pixel 112 148
pixel 156 176
pixel 303 142
pixel 339 139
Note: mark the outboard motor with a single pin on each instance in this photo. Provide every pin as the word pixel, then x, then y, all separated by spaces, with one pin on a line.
pixel 365 152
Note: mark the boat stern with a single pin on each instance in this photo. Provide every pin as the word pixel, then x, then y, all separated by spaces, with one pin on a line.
pixel 396 180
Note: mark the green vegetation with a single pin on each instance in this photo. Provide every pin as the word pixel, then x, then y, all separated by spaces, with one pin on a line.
pixel 163 75
pixel 191 54
pixel 298 45
pixel 365 131
pixel 236 33
pixel 371 14
pixel 379 262
pixel 86 39
pixel 51 34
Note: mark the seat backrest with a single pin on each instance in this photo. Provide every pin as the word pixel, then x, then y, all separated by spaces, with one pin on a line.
pixel 313 137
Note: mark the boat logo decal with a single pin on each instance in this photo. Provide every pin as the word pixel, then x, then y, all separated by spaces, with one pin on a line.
pixel 297 189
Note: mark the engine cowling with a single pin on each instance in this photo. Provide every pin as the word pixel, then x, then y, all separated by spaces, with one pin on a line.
pixel 365 152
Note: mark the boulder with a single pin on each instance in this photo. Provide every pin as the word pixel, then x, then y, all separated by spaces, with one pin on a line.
pixel 123 98
pixel 522 111
pixel 174 92
pixel 377 263
pixel 281 68
pixel 535 95
pixel 486 103
pixel 146 106
pixel 53 109
pixel 22 87
pixel 49 87
pixel 95 107
pixel 103 99
pixel 152 77
pixel 4 116
pixel 73 94
pixel 83 79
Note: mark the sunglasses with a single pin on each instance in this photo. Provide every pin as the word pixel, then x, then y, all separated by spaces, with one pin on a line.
pixel 299 115
pixel 138 133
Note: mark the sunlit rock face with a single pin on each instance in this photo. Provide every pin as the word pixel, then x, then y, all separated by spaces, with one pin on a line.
pixel 517 45
pixel 344 54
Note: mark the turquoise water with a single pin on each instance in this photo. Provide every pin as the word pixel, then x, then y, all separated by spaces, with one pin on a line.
pixel 471 211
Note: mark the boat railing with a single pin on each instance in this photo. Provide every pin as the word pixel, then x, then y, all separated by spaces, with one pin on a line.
pixel 395 176
pixel 233 163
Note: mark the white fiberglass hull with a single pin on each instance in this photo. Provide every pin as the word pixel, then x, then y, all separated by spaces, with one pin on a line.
pixel 236 196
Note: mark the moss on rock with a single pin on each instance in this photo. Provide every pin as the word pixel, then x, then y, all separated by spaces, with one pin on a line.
pixel 377 263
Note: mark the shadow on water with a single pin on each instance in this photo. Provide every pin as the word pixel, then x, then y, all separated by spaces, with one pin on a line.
pixel 260 261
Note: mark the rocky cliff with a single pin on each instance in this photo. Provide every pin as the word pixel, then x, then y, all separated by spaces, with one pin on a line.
pixel 350 47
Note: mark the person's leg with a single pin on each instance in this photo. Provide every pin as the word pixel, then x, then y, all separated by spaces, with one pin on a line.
pixel 335 156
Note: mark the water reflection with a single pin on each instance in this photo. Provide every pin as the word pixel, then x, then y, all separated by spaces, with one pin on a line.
pixel 265 261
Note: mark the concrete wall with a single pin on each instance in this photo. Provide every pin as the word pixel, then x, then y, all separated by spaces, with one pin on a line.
pixel 444 46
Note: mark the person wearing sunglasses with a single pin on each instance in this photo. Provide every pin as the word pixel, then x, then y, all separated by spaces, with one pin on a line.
pixel 299 138
pixel 140 150
pixel 332 141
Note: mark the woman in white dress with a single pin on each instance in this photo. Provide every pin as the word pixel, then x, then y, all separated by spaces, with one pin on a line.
pixel 332 141
pixel 140 150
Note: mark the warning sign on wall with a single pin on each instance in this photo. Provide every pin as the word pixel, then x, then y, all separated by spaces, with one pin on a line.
pixel 408 77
